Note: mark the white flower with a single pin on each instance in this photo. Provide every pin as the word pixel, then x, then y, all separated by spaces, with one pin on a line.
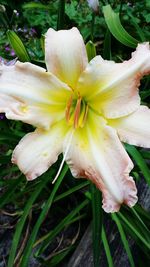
pixel 85 110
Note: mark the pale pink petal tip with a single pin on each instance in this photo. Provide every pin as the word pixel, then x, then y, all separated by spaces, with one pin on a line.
pixel 142 54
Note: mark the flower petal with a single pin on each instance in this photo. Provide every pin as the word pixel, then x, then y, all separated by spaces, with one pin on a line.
pixel 37 151
pixel 134 129
pixel 65 54
pixel 97 154
pixel 112 88
pixel 30 94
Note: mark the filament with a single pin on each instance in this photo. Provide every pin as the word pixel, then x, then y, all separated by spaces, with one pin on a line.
pixel 64 157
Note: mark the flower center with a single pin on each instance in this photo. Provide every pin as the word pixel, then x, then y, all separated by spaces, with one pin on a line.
pixel 76 112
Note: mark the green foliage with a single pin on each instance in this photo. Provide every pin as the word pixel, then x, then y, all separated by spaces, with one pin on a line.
pixel 42 212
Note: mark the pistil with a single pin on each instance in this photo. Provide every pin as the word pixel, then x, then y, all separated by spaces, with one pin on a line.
pixel 76 112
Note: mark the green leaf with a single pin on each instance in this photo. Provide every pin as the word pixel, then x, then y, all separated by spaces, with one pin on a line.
pixel 32 5
pixel 29 246
pixel 114 25
pixel 58 257
pixel 24 216
pixel 135 227
pixel 107 249
pixel 145 94
pixel 5 198
pixel 136 155
pixel 137 27
pixel 61 15
pixel 96 199
pixel 61 225
pixel 91 51
pixel 71 190
pixel 107 46
pixel 18 46
pixel 123 238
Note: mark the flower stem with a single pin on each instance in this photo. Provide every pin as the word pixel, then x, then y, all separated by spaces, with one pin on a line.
pixel 61 15
pixel 92 26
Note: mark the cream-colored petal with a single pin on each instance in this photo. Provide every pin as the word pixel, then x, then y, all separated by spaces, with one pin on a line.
pixel 134 129
pixel 65 54
pixel 112 88
pixel 30 94
pixel 37 151
pixel 97 154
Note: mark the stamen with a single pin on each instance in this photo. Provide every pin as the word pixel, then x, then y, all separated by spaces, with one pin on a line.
pixel 85 116
pixel 64 157
pixel 68 107
pixel 77 113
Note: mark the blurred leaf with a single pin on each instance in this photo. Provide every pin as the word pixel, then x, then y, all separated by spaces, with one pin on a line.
pixel 135 226
pixel 113 22
pixel 5 198
pixel 24 216
pixel 96 199
pixel 143 213
pixel 123 238
pixel 138 29
pixel 107 46
pixel 31 5
pixel 136 155
pixel 107 248
pixel 66 221
pixel 18 46
pixel 61 15
pixel 57 258
pixel 91 51
pixel 29 246
pixel 145 94
pixel 71 190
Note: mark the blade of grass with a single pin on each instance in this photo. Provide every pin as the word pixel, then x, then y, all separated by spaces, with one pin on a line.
pixel 58 257
pixel 137 27
pixel 96 200
pixel 5 198
pixel 134 229
pixel 145 215
pixel 107 249
pixel 29 246
pixel 44 237
pixel 138 219
pixel 123 238
pixel 24 216
pixel 70 191
pixel 107 46
pixel 61 225
pixel 136 155
pixel 137 222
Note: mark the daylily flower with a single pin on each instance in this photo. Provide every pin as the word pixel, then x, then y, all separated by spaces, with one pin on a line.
pixel 85 110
